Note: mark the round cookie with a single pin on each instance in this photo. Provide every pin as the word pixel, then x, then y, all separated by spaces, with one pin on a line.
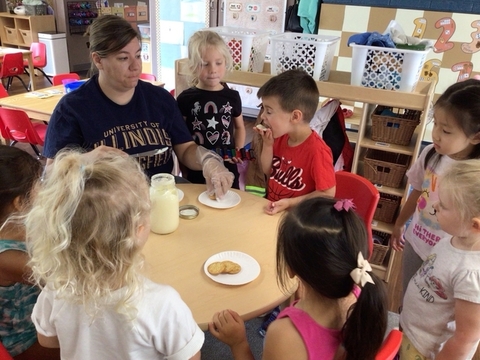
pixel 216 268
pixel 231 267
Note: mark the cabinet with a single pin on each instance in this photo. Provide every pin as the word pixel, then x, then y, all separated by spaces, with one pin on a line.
pixel 338 87
pixel 21 30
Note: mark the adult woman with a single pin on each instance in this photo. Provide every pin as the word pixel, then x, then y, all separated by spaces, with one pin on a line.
pixel 114 108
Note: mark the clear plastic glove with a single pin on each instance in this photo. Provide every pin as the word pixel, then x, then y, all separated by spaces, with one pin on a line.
pixel 217 176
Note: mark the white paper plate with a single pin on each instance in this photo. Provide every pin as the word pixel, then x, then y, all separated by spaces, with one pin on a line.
pixel 180 194
pixel 249 272
pixel 230 200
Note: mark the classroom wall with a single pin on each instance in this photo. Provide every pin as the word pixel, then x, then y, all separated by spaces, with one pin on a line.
pixel 465 6
pixel 456 53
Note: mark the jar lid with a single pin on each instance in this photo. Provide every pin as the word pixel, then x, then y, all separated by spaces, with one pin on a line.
pixel 188 212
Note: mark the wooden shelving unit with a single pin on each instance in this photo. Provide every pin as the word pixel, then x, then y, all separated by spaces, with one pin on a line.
pixel 80 15
pixel 21 30
pixel 338 87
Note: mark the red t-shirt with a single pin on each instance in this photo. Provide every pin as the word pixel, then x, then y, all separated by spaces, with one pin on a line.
pixel 301 169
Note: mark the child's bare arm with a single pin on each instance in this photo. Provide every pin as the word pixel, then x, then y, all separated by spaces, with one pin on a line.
pixel 240 133
pixel 407 211
pixel 228 327
pixel 48 341
pixel 197 356
pixel 266 156
pixel 13 267
pixel 467 331
pixel 283 342
pixel 284 204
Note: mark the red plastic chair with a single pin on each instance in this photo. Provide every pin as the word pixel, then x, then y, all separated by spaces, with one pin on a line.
pixel 390 346
pixel 149 77
pixel 16 126
pixel 4 354
pixel 3 91
pixel 12 67
pixel 57 79
pixel 39 56
pixel 365 196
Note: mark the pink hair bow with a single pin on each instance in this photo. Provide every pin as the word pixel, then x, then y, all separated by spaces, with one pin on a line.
pixel 344 204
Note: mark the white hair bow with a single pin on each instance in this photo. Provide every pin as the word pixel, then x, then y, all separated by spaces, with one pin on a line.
pixel 360 275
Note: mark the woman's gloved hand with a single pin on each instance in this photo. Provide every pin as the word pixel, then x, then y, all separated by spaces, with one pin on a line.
pixel 217 176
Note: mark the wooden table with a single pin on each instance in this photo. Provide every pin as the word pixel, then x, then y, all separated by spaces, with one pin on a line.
pixel 27 55
pixel 177 259
pixel 37 108
pixel 40 109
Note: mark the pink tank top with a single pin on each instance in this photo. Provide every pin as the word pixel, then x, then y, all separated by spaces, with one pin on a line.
pixel 321 343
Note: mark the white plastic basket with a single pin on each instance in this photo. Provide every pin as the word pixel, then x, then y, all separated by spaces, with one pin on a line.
pixel 247 46
pixel 386 68
pixel 312 53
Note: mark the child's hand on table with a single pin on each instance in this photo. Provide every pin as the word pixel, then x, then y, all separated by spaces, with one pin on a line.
pixel 277 206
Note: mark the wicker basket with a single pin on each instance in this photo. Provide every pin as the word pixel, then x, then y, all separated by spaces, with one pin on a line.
pixel 12 35
pixel 26 36
pixel 395 126
pixel 385 168
pixel 36 9
pixel 380 247
pixel 387 207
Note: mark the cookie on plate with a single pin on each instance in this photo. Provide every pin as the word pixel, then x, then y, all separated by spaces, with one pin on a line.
pixel 216 268
pixel 231 267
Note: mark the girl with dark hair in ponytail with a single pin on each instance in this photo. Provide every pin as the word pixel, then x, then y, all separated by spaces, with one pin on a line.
pixel 342 310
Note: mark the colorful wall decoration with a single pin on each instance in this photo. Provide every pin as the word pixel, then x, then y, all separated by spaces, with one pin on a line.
pixel 456 53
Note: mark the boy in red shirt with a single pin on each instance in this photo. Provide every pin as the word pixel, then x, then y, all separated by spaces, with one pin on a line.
pixel 295 159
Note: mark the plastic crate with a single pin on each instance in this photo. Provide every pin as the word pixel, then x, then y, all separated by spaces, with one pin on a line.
pixel 385 168
pixel 247 46
pixel 36 9
pixel 312 53
pixel 12 34
pixel 386 68
pixel 395 126
pixel 26 36
pixel 380 247
pixel 387 207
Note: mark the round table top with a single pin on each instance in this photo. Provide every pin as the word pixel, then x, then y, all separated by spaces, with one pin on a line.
pixel 178 259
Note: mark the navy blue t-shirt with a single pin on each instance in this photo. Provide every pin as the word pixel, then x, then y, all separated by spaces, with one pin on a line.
pixel 87 118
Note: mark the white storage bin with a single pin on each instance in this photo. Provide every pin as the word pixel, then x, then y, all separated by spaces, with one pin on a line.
pixel 309 52
pixel 247 46
pixel 386 68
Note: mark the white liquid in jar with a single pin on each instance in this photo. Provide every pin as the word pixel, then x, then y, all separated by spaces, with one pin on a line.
pixel 164 216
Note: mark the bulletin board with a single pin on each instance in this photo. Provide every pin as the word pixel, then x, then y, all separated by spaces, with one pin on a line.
pixel 456 53
pixel 268 15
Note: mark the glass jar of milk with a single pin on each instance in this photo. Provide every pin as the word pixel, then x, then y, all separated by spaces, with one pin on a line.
pixel 164 215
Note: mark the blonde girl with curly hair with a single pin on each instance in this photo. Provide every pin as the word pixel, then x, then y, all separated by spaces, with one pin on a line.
pixel 85 232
